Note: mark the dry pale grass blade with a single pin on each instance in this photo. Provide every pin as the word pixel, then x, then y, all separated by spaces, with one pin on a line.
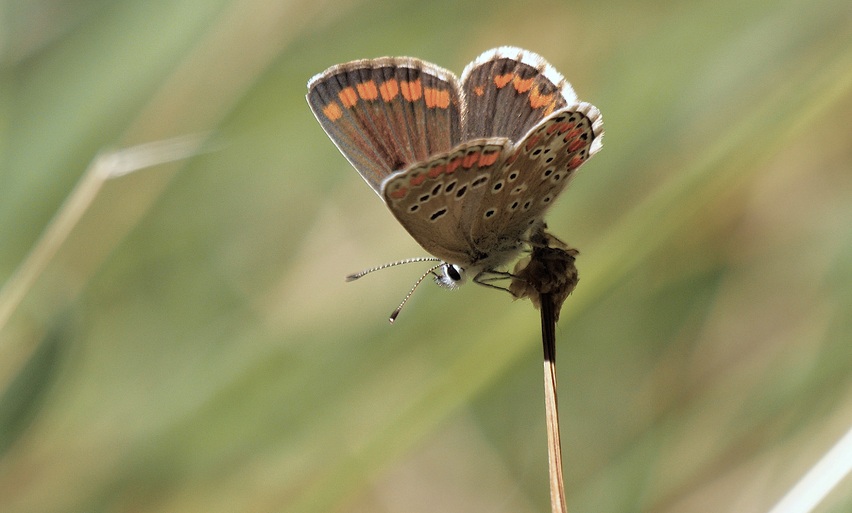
pixel 558 501
pixel 547 277
pixel 104 167
pixel 127 160
pixel 820 480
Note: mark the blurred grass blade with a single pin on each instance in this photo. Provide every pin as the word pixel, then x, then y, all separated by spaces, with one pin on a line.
pixel 726 164
pixel 24 397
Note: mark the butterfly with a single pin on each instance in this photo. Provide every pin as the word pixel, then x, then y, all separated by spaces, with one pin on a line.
pixel 470 166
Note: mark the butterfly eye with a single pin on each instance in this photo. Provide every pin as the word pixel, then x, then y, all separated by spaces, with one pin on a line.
pixel 453 272
pixel 451 277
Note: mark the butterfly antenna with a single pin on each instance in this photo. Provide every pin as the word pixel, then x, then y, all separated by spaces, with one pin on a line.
pixel 395 313
pixel 353 277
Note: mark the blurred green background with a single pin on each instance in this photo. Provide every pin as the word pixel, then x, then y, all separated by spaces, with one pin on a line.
pixel 191 346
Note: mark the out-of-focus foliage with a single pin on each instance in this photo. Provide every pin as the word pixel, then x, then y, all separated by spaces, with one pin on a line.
pixel 188 342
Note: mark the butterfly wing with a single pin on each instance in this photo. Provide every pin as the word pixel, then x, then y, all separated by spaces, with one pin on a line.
pixel 434 199
pixel 386 114
pixel 509 90
pixel 537 170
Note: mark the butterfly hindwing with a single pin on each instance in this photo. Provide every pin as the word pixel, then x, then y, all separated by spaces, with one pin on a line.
pixel 435 201
pixel 386 114
pixel 538 169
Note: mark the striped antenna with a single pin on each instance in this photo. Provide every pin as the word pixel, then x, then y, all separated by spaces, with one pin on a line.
pixel 353 277
pixel 395 313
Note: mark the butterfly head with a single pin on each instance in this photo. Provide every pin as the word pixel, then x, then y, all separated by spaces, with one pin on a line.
pixel 452 276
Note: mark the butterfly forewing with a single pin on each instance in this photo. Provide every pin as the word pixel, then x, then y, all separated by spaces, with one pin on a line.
pixel 386 114
pixel 436 200
pixel 508 90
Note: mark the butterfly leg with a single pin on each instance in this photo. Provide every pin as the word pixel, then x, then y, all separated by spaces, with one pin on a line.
pixel 487 279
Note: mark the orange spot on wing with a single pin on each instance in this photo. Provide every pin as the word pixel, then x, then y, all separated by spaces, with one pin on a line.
pixel 575 162
pixel 332 111
pixel 436 98
pixel 417 180
pixel 532 142
pixel 522 85
pixel 479 90
pixel 576 145
pixel 348 97
pixel 453 165
pixel 558 127
pixel 538 100
pixel 470 160
pixel 501 80
pixel 399 193
pixel 571 135
pixel 488 158
pixel 368 90
pixel 437 171
pixel 411 91
pixel 389 89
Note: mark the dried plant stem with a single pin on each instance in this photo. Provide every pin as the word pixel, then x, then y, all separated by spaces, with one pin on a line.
pixel 554 446
pixel 14 290
pixel 820 480
pixel 547 277
pixel 103 167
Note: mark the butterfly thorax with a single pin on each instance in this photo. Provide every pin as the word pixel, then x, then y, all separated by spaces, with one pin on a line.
pixel 500 254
